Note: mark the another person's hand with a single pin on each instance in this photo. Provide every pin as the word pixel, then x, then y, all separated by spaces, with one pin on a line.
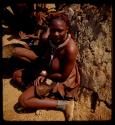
pixel 23 35
pixel 31 35
pixel 39 80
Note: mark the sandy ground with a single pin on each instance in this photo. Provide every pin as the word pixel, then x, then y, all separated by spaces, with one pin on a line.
pixel 10 98
pixel 82 109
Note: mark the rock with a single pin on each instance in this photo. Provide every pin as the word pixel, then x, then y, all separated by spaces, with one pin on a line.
pixel 94 34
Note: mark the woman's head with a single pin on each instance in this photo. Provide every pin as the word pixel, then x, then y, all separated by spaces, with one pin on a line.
pixel 59 26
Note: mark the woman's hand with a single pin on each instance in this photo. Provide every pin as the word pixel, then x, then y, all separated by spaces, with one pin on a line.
pixel 39 80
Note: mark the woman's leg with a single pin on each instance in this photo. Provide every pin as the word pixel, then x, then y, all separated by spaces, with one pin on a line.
pixel 28 100
pixel 17 76
pixel 24 54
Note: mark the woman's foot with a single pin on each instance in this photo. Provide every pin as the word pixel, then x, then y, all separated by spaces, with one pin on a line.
pixel 69 108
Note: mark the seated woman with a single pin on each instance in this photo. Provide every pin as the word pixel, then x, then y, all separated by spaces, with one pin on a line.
pixel 56 85
pixel 28 53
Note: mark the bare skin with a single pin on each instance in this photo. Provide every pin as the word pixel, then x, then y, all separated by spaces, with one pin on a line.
pixel 28 100
pixel 24 54
pixel 61 67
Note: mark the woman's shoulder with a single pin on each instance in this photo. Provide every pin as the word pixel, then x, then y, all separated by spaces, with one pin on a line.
pixel 72 46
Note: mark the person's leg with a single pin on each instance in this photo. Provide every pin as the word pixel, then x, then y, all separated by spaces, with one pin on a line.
pixel 24 54
pixel 28 100
pixel 17 77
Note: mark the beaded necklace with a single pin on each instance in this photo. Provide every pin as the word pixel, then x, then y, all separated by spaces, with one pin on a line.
pixel 54 47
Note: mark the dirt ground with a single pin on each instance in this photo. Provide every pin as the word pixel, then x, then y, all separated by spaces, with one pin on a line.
pixel 82 110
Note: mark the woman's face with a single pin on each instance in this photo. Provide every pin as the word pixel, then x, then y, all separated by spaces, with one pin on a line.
pixel 58 31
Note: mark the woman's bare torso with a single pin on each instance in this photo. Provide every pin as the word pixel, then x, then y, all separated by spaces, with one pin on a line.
pixel 58 61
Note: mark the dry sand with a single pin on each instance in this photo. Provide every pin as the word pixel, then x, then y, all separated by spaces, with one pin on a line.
pixel 82 109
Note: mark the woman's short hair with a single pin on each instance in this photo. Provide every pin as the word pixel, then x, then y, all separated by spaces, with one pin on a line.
pixel 58 15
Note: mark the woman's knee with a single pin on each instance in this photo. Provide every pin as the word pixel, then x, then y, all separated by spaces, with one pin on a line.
pixel 23 101
pixel 17 76
pixel 25 98
pixel 24 53
pixel 15 51
pixel 17 73
pixel 19 51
